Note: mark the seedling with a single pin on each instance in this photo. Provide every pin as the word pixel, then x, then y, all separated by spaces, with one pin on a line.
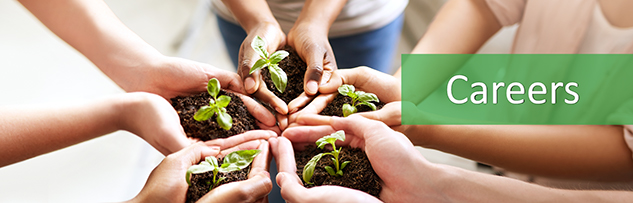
pixel 358 98
pixel 217 105
pixel 271 61
pixel 234 161
pixel 308 170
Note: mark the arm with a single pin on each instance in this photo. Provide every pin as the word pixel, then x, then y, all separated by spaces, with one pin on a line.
pixel 578 152
pixel 309 36
pixel 92 29
pixel 460 27
pixel 30 131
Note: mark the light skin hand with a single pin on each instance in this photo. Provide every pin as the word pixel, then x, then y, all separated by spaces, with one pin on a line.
pixel 374 138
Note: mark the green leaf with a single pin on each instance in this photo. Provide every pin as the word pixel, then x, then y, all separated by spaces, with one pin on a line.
pixel 204 113
pixel 308 170
pixel 330 170
pixel 331 138
pixel 367 97
pixel 278 76
pixel 238 160
pixel 345 89
pixel 259 45
pixel 224 119
pixel 213 87
pixel 371 105
pixel 348 110
pixel 344 164
pixel 261 63
pixel 278 56
pixel 339 173
pixel 219 181
pixel 223 101
pixel 197 169
pixel 212 161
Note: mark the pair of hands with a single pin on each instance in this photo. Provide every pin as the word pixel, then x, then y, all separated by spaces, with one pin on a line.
pixel 404 172
pixel 167 182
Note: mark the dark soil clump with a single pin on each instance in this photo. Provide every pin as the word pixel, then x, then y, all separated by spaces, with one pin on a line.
pixel 200 183
pixel 208 130
pixel 335 108
pixel 358 174
pixel 295 69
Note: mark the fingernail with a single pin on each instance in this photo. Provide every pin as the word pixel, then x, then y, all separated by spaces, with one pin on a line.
pixel 215 148
pixel 293 110
pixel 313 87
pixel 278 110
pixel 249 84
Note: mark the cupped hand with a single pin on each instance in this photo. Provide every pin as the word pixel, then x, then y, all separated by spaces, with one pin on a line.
pixel 385 86
pixel 401 167
pixel 312 44
pixel 253 83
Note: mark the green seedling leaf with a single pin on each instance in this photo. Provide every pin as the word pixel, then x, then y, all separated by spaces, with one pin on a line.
pixel 308 170
pixel 345 89
pixel 238 160
pixel 330 170
pixel 259 45
pixel 278 76
pixel 348 110
pixel 261 63
pixel 344 164
pixel 223 101
pixel 371 105
pixel 212 161
pixel 224 119
pixel 339 173
pixel 213 87
pixel 278 56
pixel 330 139
pixel 367 97
pixel 204 113
pixel 197 169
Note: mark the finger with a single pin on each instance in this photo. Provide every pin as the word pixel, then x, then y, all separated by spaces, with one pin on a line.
pixel 269 97
pixel 253 144
pixel 249 190
pixel 314 59
pixel 247 59
pixel 228 80
pixel 194 154
pixel 307 134
pixel 291 188
pixel 241 138
pixel 284 154
pixel 282 120
pixel 260 163
pixel 313 119
pixel 270 128
pixel 318 104
pixel 258 111
pixel 354 76
pixel 296 104
pixel 389 114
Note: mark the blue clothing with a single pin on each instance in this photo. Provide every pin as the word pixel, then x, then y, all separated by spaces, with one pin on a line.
pixel 373 48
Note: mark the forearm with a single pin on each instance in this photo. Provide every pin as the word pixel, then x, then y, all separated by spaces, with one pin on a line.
pixel 251 13
pixel 26 132
pixel 320 14
pixel 460 27
pixel 91 28
pixel 459 185
pixel 578 152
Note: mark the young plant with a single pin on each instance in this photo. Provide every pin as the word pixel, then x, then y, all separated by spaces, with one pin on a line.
pixel 358 98
pixel 271 61
pixel 308 170
pixel 234 161
pixel 217 105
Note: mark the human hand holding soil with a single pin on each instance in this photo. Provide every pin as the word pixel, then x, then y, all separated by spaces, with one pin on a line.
pixel 402 169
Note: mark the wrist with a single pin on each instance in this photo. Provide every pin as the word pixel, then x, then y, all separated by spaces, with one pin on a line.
pixel 421 135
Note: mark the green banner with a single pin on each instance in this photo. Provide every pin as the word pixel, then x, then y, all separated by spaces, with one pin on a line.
pixel 532 89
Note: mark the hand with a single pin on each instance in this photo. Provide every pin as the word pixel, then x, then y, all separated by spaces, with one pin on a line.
pixel 153 119
pixel 313 46
pixel 292 189
pixel 170 77
pixel 253 83
pixel 167 182
pixel 403 170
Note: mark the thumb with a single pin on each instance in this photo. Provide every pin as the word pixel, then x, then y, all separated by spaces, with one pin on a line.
pixel 390 114
pixel 291 189
pixel 249 190
pixel 314 60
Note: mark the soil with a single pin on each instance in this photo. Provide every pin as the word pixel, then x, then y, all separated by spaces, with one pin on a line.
pixel 295 69
pixel 335 108
pixel 200 183
pixel 208 130
pixel 358 174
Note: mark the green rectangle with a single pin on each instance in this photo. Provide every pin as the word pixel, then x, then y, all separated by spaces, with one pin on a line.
pixel 558 89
